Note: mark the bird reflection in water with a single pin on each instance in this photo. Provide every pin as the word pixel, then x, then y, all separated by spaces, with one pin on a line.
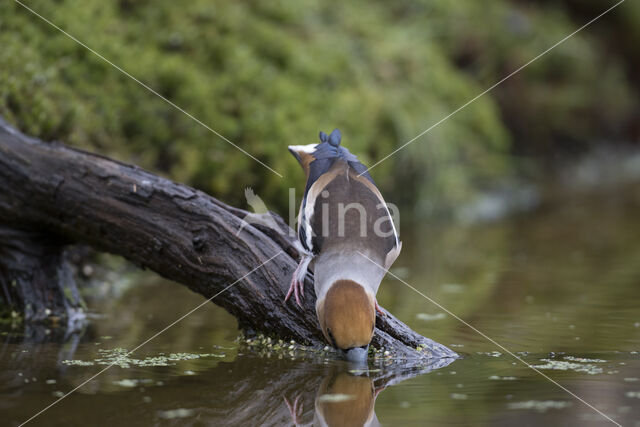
pixel 344 398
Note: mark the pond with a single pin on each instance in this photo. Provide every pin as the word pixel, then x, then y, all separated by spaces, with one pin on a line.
pixel 560 288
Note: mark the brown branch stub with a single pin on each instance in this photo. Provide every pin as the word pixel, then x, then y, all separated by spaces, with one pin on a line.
pixel 181 233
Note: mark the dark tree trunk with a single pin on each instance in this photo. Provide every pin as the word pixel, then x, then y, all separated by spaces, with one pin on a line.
pixel 36 281
pixel 68 195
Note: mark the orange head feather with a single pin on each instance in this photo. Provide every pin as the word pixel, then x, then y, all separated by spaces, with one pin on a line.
pixel 357 410
pixel 347 315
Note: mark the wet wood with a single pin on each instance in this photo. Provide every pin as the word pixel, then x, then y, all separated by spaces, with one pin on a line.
pixel 36 281
pixel 179 232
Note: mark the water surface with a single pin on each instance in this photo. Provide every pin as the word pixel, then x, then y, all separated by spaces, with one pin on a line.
pixel 560 288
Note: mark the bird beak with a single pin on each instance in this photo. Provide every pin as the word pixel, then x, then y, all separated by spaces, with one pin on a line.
pixel 357 354
pixel 295 153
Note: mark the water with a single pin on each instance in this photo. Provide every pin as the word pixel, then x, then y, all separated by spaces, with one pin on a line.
pixel 560 288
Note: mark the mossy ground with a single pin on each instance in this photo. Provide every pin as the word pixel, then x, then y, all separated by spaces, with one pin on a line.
pixel 270 74
pixel 266 346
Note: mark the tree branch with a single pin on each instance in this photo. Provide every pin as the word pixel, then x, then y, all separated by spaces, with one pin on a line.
pixel 181 233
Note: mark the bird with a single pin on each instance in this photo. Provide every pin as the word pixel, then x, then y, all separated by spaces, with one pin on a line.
pixel 345 228
pixel 344 398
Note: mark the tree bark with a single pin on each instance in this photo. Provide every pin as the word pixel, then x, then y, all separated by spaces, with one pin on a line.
pixel 181 233
pixel 36 281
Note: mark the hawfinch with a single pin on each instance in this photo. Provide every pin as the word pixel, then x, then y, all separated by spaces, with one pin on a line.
pixel 343 220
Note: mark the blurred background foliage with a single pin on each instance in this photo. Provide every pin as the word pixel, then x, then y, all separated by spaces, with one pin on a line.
pixel 270 74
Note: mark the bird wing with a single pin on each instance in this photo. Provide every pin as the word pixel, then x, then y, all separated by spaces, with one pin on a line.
pixel 332 169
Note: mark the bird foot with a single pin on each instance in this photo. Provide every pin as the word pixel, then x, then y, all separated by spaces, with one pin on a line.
pixel 295 410
pixel 297 280
pixel 296 288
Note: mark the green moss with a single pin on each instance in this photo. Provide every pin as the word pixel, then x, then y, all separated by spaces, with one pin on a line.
pixel 10 317
pixel 269 347
pixel 266 75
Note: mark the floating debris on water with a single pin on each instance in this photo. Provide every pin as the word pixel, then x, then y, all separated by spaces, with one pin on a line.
pixel 126 383
pixel 490 353
pixel 130 383
pixel 427 317
pixel 497 377
pixel 583 359
pixel 120 357
pixel 334 398
pixel 453 288
pixel 561 365
pixel 78 363
pixel 175 413
pixel 540 406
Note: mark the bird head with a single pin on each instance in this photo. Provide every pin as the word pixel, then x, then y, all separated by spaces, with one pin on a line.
pixel 347 317
pixel 304 155
pixel 357 410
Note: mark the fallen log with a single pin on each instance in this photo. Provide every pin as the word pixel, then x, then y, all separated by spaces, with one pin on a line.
pixel 64 195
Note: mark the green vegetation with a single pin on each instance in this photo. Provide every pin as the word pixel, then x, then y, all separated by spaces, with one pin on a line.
pixel 120 357
pixel 270 74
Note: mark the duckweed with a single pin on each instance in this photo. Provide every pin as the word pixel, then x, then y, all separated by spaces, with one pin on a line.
pixel 540 406
pixel 583 359
pixel 561 365
pixel 120 357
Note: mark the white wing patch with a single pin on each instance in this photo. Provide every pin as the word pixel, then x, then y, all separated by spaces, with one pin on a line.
pixel 392 255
